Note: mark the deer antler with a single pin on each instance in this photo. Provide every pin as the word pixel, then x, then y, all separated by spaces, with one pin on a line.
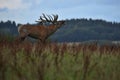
pixel 55 18
pixel 48 18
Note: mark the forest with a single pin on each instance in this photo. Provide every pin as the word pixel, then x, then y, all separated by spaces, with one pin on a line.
pixel 74 30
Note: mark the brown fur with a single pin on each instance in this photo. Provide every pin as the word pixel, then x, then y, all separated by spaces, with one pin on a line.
pixel 40 32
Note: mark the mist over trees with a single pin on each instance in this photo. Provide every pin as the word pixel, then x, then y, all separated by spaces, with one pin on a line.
pixel 75 30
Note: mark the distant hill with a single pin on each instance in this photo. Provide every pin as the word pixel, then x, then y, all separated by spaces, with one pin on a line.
pixel 75 30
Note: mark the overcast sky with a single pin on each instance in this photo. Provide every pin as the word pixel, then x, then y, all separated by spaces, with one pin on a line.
pixel 23 11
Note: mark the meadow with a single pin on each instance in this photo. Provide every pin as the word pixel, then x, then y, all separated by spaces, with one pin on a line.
pixel 58 61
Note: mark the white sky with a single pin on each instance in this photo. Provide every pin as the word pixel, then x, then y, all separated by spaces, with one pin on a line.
pixel 23 11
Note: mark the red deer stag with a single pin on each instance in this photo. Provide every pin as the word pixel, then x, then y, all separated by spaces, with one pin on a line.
pixel 41 32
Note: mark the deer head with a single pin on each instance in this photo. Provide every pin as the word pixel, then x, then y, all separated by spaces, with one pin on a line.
pixel 41 32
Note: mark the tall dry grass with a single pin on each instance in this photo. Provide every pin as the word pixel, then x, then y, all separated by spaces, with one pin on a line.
pixel 58 61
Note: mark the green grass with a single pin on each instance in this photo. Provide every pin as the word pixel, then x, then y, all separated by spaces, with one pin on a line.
pixel 58 62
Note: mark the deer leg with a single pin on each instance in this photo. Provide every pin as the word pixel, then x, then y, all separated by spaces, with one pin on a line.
pixel 22 38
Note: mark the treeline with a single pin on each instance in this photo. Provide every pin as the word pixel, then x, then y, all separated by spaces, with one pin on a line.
pixel 75 30
pixel 8 28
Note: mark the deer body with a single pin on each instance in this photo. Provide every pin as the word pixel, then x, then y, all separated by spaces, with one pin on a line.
pixel 40 32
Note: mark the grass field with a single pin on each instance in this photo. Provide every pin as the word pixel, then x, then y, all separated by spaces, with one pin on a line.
pixel 53 61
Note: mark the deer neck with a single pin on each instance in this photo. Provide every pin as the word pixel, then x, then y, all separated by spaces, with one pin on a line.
pixel 52 29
